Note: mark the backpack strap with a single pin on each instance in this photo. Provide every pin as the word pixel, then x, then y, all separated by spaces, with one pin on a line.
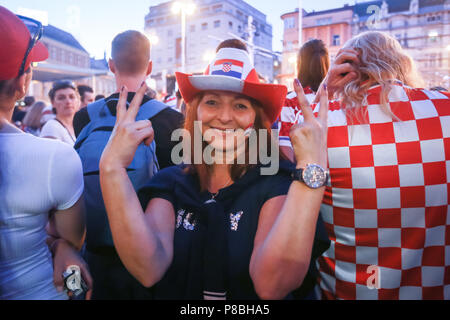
pixel 147 111
pixel 150 109
pixel 95 111
pixel 102 119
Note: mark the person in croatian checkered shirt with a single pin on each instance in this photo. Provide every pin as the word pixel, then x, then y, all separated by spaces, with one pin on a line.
pixel 313 63
pixel 386 211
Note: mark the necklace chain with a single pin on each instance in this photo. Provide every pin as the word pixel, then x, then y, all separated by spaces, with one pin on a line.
pixel 214 195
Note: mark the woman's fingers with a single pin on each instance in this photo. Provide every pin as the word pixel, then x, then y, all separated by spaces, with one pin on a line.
pixel 303 102
pixel 146 134
pixel 122 104
pixel 323 111
pixel 347 56
pixel 136 103
pixel 140 131
pixel 138 125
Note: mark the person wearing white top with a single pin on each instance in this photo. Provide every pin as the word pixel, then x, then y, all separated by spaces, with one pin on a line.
pixel 41 183
pixel 66 102
pixel 56 130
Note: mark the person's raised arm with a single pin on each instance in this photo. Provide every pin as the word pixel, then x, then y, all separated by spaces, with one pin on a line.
pixel 144 242
pixel 287 224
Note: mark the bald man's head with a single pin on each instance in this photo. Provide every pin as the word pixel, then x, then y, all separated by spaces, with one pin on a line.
pixel 131 53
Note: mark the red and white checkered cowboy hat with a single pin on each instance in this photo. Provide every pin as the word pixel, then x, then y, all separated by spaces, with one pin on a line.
pixel 232 70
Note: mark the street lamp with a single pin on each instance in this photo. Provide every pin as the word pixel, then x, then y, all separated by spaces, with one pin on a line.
pixel 209 56
pixel 154 40
pixel 185 8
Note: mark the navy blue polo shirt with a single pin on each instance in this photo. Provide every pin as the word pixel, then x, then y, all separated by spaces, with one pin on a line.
pixel 241 203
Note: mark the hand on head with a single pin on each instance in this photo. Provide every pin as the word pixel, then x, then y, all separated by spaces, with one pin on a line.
pixel 342 71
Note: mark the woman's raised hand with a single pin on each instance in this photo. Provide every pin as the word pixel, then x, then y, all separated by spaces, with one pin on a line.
pixel 309 138
pixel 128 133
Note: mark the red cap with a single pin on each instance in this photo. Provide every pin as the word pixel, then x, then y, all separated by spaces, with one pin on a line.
pixel 14 40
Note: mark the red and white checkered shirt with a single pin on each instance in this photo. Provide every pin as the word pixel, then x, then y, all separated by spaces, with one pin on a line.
pixel 388 204
pixel 289 113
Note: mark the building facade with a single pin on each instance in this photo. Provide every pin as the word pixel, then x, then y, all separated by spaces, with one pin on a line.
pixel 333 27
pixel 68 60
pixel 421 26
pixel 212 22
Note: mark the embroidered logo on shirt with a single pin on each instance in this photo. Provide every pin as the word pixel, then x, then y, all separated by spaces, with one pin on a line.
pixel 180 218
pixel 234 220
pixel 188 224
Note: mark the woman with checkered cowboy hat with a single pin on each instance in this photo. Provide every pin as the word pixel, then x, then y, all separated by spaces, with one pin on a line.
pixel 220 230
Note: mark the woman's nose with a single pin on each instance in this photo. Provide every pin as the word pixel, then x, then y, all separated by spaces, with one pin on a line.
pixel 225 114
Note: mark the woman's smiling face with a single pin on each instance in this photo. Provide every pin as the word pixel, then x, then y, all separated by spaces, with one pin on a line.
pixel 222 114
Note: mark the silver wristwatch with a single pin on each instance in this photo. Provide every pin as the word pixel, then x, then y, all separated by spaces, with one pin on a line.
pixel 314 176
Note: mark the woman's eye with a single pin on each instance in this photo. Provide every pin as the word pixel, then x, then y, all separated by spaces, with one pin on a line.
pixel 241 106
pixel 211 102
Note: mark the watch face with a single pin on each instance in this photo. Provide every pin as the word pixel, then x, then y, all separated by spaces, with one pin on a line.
pixel 314 176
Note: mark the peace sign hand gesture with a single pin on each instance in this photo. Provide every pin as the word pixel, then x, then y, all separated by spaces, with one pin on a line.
pixel 128 133
pixel 309 138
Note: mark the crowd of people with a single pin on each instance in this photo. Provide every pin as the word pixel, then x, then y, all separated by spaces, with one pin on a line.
pixel 357 208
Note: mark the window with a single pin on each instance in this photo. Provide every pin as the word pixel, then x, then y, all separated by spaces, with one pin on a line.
pixel 192 28
pixel 432 60
pixel 59 54
pixel 433 35
pixel 217 8
pixel 289 23
pixel 217 24
pixel 230 24
pixel 289 46
pixel 336 40
pixel 52 52
pixel 160 21
pixel 170 33
pixel 205 26
pixel 204 10
pixel 324 21
pixel 151 22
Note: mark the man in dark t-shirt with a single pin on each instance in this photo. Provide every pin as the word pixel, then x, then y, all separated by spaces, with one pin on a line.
pixel 131 65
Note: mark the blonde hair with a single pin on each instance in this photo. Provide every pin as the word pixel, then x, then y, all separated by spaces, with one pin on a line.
pixel 382 61
pixel 33 117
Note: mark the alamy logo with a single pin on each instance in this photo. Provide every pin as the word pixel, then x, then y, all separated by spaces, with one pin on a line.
pixel 373 22
pixel 373 281
pixel 227 147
